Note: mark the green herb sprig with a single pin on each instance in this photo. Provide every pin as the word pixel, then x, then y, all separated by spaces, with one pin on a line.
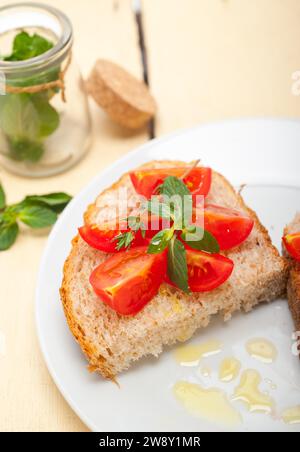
pixel 37 212
pixel 124 240
pixel 28 119
pixel 176 205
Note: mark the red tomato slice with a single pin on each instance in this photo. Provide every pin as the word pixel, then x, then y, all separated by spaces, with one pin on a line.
pixel 127 281
pixel 292 245
pixel 228 226
pixel 102 238
pixel 206 271
pixel 146 181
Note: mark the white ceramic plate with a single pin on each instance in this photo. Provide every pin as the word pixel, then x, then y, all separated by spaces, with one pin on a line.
pixel 264 154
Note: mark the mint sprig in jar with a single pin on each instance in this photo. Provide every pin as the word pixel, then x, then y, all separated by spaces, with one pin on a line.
pixel 45 124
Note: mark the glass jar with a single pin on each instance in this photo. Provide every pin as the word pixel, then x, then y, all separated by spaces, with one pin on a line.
pixel 45 125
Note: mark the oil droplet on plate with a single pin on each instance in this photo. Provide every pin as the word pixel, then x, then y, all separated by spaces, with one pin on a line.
pixel 229 369
pixel 292 415
pixel 248 391
pixel 190 355
pixel 262 350
pixel 209 404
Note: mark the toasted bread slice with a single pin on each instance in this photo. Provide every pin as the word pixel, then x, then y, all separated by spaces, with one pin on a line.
pixel 294 279
pixel 112 342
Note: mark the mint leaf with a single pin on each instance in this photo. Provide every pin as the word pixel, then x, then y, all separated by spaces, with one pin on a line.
pixel 179 198
pixel 182 210
pixel 160 241
pixel 201 240
pixel 2 198
pixel 28 116
pixel 56 201
pixel 177 264
pixel 26 46
pixel 48 117
pixel 159 209
pixel 18 117
pixel 37 217
pixel 34 211
pixel 27 119
pixel 10 214
pixel 39 78
pixel 174 186
pixel 25 150
pixel 8 235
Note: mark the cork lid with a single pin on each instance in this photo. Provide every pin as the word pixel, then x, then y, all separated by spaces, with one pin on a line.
pixel 126 99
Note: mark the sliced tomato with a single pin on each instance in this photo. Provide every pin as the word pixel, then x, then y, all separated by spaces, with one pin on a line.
pixel 127 281
pixel 292 245
pixel 103 237
pixel 206 271
pixel 147 181
pixel 230 227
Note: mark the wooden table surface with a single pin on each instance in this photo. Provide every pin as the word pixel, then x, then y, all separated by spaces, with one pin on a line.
pixel 209 60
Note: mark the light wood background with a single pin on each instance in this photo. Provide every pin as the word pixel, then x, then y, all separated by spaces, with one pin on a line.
pixel 209 60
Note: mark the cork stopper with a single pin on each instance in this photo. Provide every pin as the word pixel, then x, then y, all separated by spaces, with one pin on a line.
pixel 125 99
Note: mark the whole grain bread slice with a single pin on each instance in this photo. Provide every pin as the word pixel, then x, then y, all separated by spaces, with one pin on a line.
pixel 294 278
pixel 112 342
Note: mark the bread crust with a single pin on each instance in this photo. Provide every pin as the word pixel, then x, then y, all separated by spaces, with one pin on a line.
pixel 294 293
pixel 98 362
pixel 293 287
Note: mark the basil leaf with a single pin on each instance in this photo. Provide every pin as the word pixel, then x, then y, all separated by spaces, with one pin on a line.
pixel 174 186
pixel 2 198
pixel 160 241
pixel 8 235
pixel 56 201
pixel 159 209
pixel 37 216
pixel 177 265
pixel 201 240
